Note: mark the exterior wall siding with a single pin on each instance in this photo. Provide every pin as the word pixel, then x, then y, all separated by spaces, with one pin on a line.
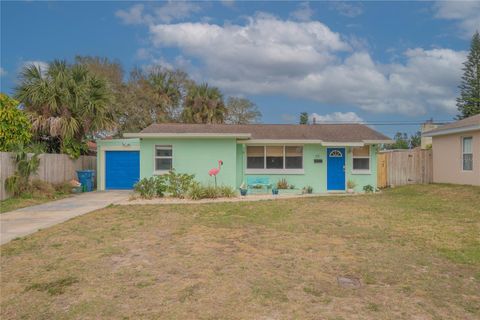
pixel 198 156
pixel 315 174
pixel 113 144
pixel 194 156
pixel 447 159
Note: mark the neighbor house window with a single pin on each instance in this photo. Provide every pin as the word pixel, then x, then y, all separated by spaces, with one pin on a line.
pixel 163 158
pixel 361 159
pixel 274 157
pixel 467 154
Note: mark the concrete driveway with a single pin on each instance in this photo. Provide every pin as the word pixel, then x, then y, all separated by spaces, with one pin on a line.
pixel 28 220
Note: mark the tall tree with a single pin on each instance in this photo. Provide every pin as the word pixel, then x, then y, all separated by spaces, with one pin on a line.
pixel 14 124
pixel 415 140
pixel 242 111
pixel 304 118
pixel 468 103
pixel 152 96
pixel 65 102
pixel 203 104
pixel 401 141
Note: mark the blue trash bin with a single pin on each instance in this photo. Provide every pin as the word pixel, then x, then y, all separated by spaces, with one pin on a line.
pixel 86 179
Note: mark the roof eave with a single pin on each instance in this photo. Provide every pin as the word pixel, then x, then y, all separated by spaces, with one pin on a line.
pixel 442 132
pixel 380 141
pixel 188 135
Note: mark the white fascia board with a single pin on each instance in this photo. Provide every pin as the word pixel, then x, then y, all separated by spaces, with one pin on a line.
pixel 188 135
pixel 343 144
pixel 378 141
pixel 280 141
pixel 441 132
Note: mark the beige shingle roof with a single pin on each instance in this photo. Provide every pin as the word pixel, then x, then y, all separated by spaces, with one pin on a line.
pixel 324 132
pixel 472 122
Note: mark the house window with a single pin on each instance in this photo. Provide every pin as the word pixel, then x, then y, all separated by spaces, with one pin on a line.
pixel 293 157
pixel 361 159
pixel 256 157
pixel 467 154
pixel 163 158
pixel 274 157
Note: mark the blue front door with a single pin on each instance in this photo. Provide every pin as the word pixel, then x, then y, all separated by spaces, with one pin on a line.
pixel 122 169
pixel 335 169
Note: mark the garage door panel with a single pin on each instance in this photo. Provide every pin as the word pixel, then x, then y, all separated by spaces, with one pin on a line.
pixel 122 169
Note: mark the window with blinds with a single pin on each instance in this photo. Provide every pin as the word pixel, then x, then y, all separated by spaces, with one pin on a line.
pixel 361 159
pixel 275 157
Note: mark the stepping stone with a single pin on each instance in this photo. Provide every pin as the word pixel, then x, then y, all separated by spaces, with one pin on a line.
pixel 348 282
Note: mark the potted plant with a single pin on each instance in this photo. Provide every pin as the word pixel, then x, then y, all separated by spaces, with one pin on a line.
pixel 243 189
pixel 351 186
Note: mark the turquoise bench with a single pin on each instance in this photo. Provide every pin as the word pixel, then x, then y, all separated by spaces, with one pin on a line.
pixel 257 183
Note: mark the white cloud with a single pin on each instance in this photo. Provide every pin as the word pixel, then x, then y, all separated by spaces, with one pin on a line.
pixel 347 9
pixel 167 13
pixel 303 12
pixel 466 13
pixel 228 3
pixel 134 15
pixel 3 72
pixel 346 117
pixel 308 60
pixel 37 63
pixel 143 54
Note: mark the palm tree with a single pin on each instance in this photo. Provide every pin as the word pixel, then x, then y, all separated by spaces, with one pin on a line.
pixel 65 101
pixel 203 104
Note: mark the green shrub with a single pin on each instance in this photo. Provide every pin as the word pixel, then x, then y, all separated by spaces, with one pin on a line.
pixel 41 188
pixel 227 192
pixel 25 167
pixel 160 185
pixel 282 184
pixel 151 187
pixel 211 192
pixel 368 188
pixel 73 148
pixel 198 191
pixel 178 184
pixel 145 187
pixel 307 189
pixel 63 187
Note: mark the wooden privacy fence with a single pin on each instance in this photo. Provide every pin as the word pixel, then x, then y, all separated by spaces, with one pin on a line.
pixel 54 168
pixel 400 167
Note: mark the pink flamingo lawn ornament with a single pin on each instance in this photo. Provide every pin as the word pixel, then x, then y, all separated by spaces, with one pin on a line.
pixel 215 171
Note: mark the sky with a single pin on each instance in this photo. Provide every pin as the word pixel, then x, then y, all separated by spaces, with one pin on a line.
pixel 371 62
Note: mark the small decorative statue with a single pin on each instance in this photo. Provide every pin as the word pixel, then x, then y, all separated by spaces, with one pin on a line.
pixel 215 171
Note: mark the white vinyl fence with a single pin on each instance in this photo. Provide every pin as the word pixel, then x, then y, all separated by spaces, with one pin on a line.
pixel 54 168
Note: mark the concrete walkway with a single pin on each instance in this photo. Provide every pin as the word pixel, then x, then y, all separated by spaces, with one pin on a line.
pixel 28 220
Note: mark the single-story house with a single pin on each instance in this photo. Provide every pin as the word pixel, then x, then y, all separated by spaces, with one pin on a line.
pixel 456 152
pixel 322 156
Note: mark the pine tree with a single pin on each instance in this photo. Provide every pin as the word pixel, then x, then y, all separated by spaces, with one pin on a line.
pixel 468 103
pixel 304 118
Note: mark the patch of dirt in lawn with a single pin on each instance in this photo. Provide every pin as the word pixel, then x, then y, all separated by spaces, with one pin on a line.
pixel 278 259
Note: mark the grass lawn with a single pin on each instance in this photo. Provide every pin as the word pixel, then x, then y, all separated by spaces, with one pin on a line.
pixel 27 201
pixel 415 251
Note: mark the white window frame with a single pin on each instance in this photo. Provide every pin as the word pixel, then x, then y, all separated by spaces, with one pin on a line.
pixel 265 170
pixel 369 157
pixel 155 157
pixel 463 152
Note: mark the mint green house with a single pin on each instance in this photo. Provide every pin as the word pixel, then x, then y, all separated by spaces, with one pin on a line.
pixel 322 156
